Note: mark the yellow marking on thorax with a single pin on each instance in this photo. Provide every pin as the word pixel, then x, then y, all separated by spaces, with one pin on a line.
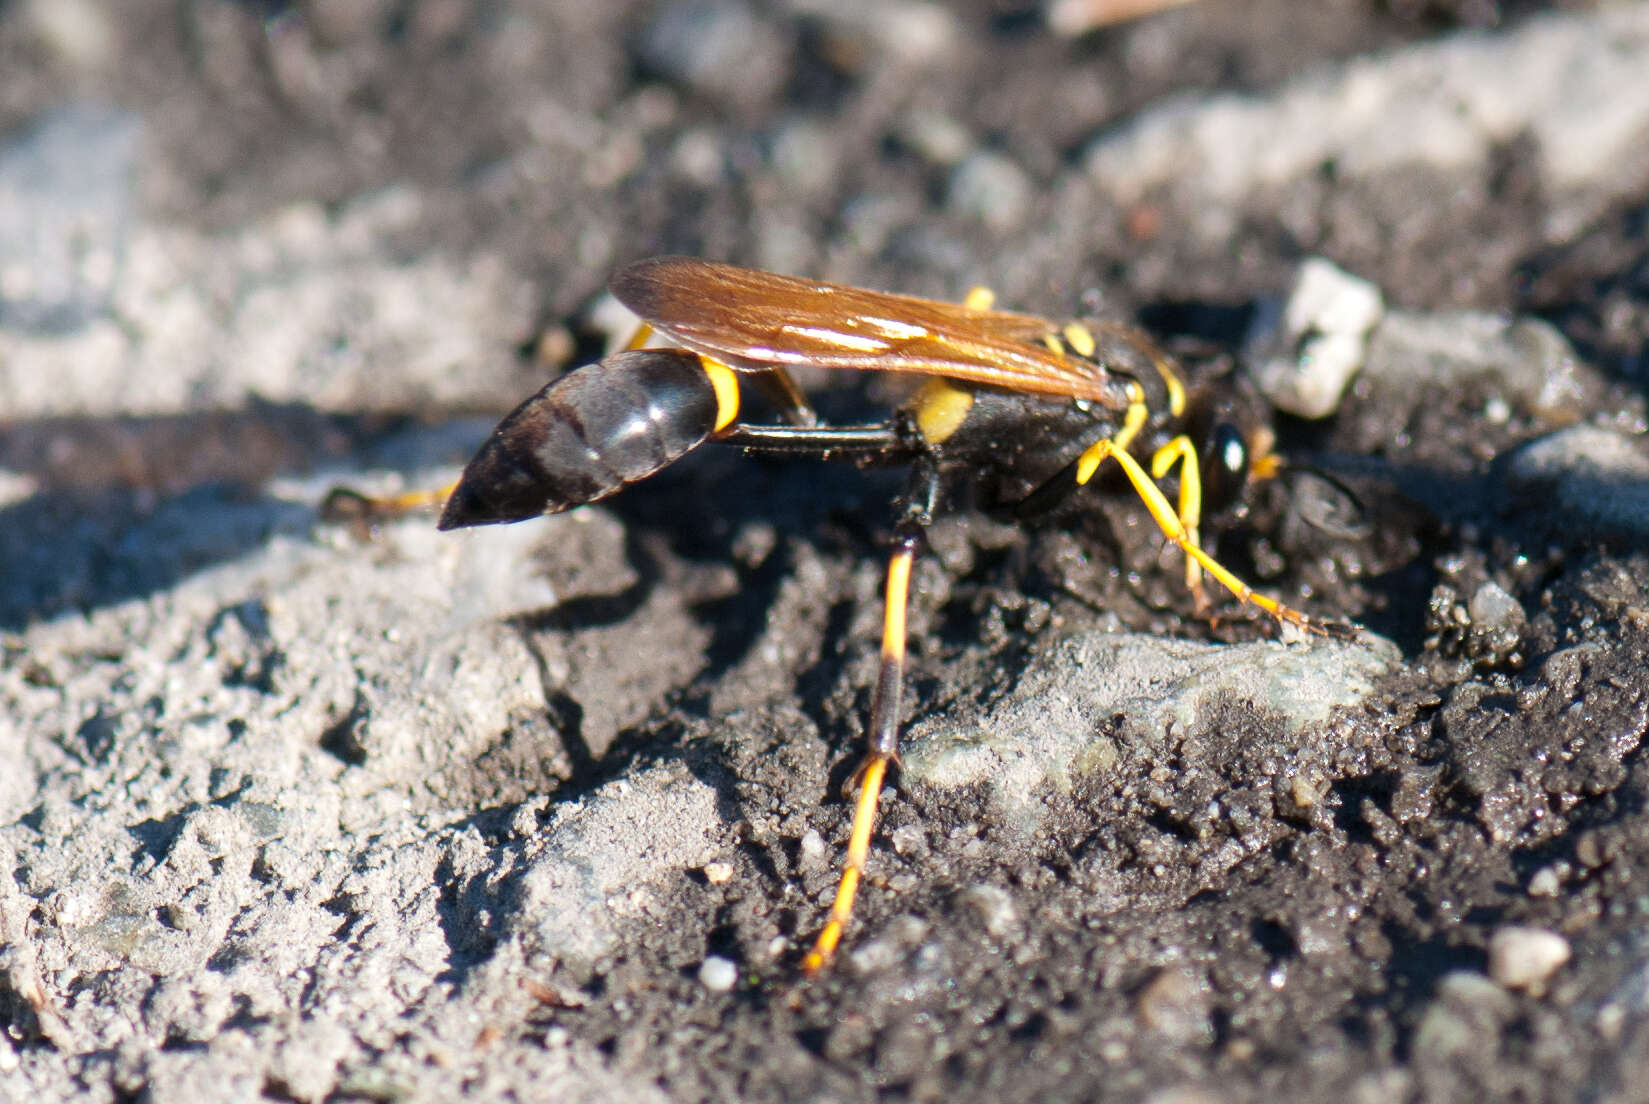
pixel 1176 386
pixel 941 408
pixel 979 299
pixel 726 384
pixel 1078 337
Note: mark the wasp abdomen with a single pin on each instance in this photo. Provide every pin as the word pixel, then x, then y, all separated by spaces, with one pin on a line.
pixel 585 436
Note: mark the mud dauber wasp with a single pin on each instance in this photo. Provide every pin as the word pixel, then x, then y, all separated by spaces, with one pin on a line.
pixel 1019 409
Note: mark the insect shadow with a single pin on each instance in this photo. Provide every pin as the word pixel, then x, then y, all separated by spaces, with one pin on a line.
pixel 699 513
pixel 125 507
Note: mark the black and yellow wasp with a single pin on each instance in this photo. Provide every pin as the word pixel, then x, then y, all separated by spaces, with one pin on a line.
pixel 1018 409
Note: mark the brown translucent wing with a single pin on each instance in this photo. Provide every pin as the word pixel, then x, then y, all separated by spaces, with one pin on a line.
pixel 747 319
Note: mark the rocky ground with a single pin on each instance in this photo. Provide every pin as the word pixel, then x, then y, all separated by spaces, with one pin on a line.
pixel 303 811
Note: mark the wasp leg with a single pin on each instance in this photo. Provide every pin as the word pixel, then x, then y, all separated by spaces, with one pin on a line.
pixel 869 778
pixel 1182 452
pixel 1162 512
pixel 882 736
pixel 345 505
pixel 882 729
pixel 778 388
pixel 880 442
pixel 638 340
pixel 884 442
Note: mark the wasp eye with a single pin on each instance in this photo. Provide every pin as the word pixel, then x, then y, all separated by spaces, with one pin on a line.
pixel 1224 467
pixel 1233 450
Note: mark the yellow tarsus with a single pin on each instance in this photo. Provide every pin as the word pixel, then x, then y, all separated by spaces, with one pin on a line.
pixel 1162 512
pixel 871 775
pixel 416 500
pixel 874 769
pixel 346 505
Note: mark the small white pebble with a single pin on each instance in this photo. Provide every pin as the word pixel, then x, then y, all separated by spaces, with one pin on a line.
pixel 718 974
pixel 1545 883
pixel 994 906
pixel 918 32
pixel 1492 607
pixel 872 956
pixel 716 873
pixel 902 883
pixel 15 487
pixel 813 845
pixel 1611 1018
pixel 1175 1004
pixel 1525 958
pixel 1307 789
pixel 908 839
pixel 1304 355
